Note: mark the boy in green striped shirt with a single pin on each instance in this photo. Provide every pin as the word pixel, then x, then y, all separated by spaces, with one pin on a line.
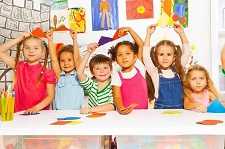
pixel 98 88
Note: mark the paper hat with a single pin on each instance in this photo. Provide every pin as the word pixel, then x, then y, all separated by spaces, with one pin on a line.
pixel 216 107
pixel 119 34
pixel 38 32
pixel 62 27
pixel 103 40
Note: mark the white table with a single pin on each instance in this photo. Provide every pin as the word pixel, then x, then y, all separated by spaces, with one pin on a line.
pixel 139 122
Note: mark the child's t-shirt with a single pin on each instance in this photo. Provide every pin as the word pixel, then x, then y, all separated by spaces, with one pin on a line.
pixel 69 93
pixel 28 91
pixel 97 97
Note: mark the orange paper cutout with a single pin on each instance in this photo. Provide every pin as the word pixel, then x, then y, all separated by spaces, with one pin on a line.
pixel 38 32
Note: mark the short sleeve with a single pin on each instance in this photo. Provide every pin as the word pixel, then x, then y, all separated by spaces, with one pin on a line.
pixel 116 79
pixel 87 83
pixel 50 77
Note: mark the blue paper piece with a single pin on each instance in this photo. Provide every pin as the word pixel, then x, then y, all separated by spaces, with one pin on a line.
pixel 216 107
pixel 103 40
pixel 68 118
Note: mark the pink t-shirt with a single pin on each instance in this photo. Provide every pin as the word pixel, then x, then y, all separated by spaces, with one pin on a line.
pixel 203 100
pixel 28 91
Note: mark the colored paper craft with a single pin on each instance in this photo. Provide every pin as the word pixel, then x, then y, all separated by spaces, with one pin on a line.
pixel 216 107
pixel 38 32
pixel 96 114
pixel 172 112
pixel 119 34
pixel 69 118
pixel 60 122
pixel 209 122
pixel 139 9
pixel 103 40
pixel 74 122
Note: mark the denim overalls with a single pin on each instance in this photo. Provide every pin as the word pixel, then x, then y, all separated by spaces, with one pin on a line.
pixel 69 94
pixel 170 93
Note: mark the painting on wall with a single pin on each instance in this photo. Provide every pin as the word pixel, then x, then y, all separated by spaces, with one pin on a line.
pixel 76 19
pixel 139 9
pixel 104 14
pixel 174 11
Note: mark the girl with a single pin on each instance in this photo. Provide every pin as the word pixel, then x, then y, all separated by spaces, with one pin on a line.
pixel 126 93
pixel 69 94
pixel 165 66
pixel 199 89
pixel 98 88
pixel 34 83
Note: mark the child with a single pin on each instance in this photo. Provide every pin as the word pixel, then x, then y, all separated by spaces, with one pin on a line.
pixel 34 83
pixel 98 88
pixel 69 94
pixel 126 93
pixel 166 68
pixel 199 89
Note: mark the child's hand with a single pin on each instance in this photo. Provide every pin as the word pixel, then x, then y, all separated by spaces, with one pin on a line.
pixel 200 108
pixel 49 35
pixel 127 110
pixel 151 29
pixel 178 28
pixel 34 109
pixel 123 30
pixel 73 35
pixel 84 110
pixel 26 35
pixel 91 47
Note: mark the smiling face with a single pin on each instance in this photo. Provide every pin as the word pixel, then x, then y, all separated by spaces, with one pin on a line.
pixel 165 56
pixel 66 62
pixel 33 50
pixel 125 57
pixel 102 72
pixel 197 80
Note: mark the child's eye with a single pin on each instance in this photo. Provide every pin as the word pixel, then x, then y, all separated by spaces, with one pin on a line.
pixel 169 54
pixel 161 54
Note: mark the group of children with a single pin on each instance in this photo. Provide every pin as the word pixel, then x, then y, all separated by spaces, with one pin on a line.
pixel 136 76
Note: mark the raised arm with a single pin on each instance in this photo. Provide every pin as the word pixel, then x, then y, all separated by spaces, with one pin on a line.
pixel 186 52
pixel 80 70
pixel 4 56
pixel 76 50
pixel 53 55
pixel 136 38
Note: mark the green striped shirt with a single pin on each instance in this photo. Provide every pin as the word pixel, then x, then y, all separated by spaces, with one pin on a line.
pixel 97 97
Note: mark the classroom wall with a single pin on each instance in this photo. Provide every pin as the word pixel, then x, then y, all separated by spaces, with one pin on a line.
pixel 198 29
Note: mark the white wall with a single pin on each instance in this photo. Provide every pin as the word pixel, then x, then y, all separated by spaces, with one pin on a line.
pixel 198 30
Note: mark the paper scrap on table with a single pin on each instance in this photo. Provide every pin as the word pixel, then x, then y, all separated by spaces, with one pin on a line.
pixel 60 123
pixel 68 118
pixel 95 115
pixel 209 122
pixel 172 112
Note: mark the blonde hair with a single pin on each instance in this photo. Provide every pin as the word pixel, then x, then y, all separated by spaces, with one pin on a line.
pixel 210 86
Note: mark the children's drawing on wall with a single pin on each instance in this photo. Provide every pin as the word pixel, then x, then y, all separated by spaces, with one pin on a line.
pixel 59 4
pixel 59 18
pixel 77 20
pixel 174 11
pixel 104 14
pixel 139 9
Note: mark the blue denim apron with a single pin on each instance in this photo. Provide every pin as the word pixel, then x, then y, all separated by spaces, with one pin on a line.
pixel 170 93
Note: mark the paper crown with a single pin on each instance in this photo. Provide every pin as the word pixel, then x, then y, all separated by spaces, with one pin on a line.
pixel 119 34
pixel 62 27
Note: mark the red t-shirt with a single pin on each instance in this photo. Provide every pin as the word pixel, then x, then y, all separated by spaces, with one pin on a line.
pixel 28 91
